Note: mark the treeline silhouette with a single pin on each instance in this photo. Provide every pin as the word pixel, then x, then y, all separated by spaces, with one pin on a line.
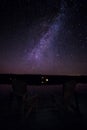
pixel 41 79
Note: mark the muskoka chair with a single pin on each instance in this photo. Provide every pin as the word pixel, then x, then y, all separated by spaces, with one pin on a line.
pixel 70 100
pixel 21 101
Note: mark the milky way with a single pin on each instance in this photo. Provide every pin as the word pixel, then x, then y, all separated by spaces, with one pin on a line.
pixel 51 39
pixel 43 55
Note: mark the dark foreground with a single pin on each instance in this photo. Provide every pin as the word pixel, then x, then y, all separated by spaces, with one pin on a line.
pixel 47 115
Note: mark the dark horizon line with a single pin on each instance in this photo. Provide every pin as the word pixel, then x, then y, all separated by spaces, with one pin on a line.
pixel 42 74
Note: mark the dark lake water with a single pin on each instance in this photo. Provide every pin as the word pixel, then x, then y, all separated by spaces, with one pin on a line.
pixel 6 89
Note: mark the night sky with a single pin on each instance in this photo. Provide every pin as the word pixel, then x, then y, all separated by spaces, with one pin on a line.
pixel 43 37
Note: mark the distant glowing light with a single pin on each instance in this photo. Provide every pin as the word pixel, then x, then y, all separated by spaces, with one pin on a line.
pixel 46 80
pixel 42 82
pixel 42 77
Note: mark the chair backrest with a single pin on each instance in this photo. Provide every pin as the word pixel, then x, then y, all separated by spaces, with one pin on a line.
pixel 19 87
pixel 69 88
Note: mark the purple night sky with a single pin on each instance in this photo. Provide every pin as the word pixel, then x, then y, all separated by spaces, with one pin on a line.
pixel 43 38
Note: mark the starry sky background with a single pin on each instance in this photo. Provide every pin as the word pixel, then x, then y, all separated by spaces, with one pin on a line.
pixel 43 37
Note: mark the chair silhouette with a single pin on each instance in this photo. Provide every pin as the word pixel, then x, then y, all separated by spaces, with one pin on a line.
pixel 70 101
pixel 20 99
